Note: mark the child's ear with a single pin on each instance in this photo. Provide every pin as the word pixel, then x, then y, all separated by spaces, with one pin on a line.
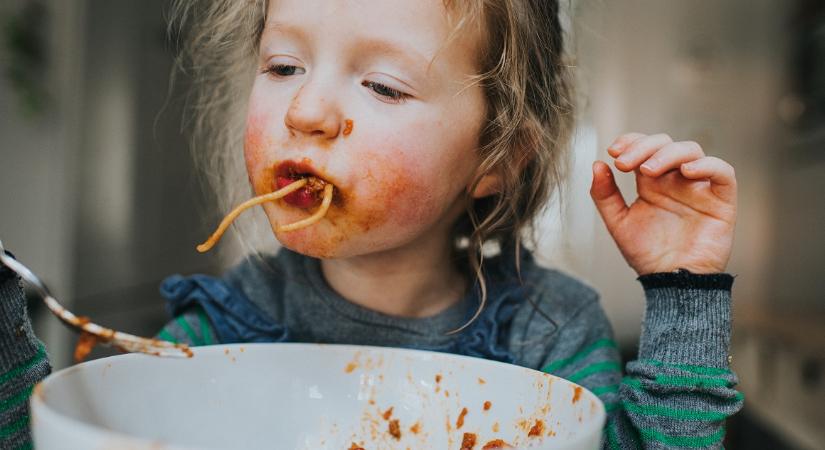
pixel 489 184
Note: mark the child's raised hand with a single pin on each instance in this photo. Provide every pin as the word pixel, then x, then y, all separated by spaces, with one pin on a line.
pixel 686 209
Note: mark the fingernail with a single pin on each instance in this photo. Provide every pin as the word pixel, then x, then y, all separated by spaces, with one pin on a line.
pixel 624 159
pixel 650 166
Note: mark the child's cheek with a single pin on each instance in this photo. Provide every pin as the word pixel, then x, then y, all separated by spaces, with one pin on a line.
pixel 390 205
pixel 258 167
pixel 390 191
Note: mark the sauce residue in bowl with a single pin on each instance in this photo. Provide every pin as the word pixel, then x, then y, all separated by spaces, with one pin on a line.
pixel 577 393
pixel 537 429
pixel 416 428
pixel 468 441
pixel 494 444
pixel 395 429
pixel 460 421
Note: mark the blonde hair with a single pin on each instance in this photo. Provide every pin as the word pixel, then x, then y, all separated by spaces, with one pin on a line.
pixel 523 72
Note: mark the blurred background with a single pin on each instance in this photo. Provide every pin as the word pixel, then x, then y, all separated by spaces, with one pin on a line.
pixel 99 197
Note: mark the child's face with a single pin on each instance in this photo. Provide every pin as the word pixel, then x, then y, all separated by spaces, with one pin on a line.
pixel 385 68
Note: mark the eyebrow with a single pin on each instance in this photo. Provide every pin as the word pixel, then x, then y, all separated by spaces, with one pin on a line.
pixel 383 47
pixel 374 45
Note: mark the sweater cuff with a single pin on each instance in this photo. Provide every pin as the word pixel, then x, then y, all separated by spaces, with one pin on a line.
pixel 686 279
pixel 688 318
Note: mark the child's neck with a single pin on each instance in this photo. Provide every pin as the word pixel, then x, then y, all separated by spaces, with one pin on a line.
pixel 416 280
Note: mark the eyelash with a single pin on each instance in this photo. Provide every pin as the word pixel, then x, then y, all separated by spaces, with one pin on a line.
pixel 273 70
pixel 392 95
pixel 382 90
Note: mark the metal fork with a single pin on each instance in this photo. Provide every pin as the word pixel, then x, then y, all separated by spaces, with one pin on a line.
pixel 105 336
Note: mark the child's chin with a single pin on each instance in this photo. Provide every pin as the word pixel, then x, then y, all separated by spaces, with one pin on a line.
pixel 311 242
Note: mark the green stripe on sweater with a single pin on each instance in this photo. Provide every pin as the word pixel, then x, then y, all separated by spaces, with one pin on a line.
pixel 26 446
pixel 206 332
pixel 612 440
pixel 672 413
pixel 601 390
pixel 36 359
pixel 165 335
pixel 16 399
pixel 557 365
pixel 699 370
pixel 683 441
pixel 14 427
pixel 599 367
pixel 635 384
pixel 695 382
pixel 680 382
pixel 193 338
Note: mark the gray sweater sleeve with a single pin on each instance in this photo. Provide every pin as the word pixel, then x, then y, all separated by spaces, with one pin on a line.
pixel 191 328
pixel 23 363
pixel 680 389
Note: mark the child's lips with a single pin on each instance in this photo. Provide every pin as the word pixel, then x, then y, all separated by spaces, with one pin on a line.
pixel 308 196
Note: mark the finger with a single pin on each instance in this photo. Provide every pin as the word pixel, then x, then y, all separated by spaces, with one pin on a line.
pixel 639 151
pixel 722 176
pixel 620 143
pixel 606 195
pixel 671 157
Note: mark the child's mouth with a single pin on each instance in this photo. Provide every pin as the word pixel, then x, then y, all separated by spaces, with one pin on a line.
pixel 306 197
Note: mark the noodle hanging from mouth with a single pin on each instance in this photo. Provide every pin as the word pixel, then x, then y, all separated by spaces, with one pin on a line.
pixel 283 192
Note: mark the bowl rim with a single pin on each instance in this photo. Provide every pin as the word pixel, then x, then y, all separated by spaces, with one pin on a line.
pixel 42 412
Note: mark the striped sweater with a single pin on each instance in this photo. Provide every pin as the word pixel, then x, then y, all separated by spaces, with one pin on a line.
pixel 676 394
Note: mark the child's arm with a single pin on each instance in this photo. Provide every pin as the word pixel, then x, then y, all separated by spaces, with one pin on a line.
pixel 23 363
pixel 680 390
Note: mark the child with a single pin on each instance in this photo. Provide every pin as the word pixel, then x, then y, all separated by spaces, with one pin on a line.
pixel 442 126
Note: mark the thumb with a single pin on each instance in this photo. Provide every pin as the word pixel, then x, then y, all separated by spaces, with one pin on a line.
pixel 606 195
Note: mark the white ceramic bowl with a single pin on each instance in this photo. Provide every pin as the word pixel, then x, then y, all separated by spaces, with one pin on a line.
pixel 309 396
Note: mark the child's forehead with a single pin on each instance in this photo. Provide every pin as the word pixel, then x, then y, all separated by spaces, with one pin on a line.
pixel 421 28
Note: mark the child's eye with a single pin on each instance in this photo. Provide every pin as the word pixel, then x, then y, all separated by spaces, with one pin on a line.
pixel 284 70
pixel 392 95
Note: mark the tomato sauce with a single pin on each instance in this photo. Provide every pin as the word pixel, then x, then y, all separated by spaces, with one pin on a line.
pixel 468 441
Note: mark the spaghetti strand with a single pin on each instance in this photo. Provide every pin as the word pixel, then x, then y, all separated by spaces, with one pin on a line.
pixel 284 191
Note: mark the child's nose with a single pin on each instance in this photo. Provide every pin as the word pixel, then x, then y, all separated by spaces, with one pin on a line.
pixel 312 113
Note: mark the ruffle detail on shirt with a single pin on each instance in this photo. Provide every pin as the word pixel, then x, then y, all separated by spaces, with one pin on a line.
pixel 487 336
pixel 235 318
